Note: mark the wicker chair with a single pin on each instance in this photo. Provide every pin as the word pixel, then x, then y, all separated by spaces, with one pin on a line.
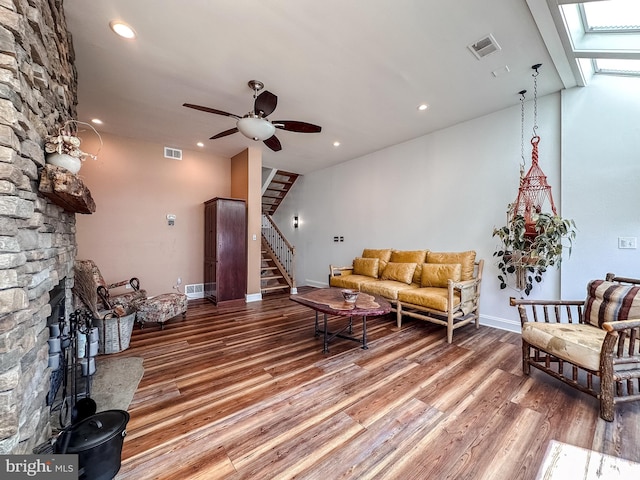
pixel 91 284
pixel 94 292
pixel 592 345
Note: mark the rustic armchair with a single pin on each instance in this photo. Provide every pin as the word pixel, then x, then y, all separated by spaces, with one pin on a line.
pixel 95 294
pixel 592 345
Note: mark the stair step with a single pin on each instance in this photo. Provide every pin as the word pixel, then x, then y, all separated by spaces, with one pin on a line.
pixel 277 189
pixel 275 287
pixel 270 277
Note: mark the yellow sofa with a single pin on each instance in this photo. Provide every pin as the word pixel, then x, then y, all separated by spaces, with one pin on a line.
pixel 438 287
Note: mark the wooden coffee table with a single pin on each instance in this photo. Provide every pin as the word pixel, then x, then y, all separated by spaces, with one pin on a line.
pixel 329 301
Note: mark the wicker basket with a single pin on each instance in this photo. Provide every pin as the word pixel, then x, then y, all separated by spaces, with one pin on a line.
pixel 114 331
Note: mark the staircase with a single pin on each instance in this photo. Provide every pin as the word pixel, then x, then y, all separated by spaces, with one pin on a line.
pixel 277 186
pixel 277 272
pixel 272 279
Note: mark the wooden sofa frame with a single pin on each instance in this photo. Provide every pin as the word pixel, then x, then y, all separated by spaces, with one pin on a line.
pixel 456 316
pixel 617 380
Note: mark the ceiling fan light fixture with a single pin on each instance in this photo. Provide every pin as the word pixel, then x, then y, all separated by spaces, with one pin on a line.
pixel 256 128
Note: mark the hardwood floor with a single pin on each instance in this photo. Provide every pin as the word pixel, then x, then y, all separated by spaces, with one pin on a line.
pixel 246 393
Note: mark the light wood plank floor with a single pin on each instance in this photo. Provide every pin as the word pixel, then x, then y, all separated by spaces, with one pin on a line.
pixel 246 393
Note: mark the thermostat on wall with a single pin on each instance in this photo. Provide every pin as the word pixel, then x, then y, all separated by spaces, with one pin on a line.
pixel 171 219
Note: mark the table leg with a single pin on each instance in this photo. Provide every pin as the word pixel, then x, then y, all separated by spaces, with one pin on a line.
pixel 326 342
pixel 350 325
pixel 364 333
pixel 316 329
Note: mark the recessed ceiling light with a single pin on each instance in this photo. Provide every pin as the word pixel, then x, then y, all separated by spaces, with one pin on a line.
pixel 336 144
pixel 97 121
pixel 200 144
pixel 122 29
pixel 423 107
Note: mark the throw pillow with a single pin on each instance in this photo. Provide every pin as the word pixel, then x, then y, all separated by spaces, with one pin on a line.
pixel 382 254
pixel 438 274
pixel 466 259
pixel 611 301
pixel 410 256
pixel 400 272
pixel 366 266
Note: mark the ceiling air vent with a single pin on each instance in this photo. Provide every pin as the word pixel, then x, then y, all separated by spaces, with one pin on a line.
pixel 485 46
pixel 173 153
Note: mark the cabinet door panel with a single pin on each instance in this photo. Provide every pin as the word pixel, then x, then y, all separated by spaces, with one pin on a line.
pixel 225 249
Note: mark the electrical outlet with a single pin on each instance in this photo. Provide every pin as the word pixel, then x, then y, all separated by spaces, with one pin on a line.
pixel 128 286
pixel 627 242
pixel 179 281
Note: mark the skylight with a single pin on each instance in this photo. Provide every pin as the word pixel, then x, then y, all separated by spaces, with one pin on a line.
pixel 615 16
pixel 604 36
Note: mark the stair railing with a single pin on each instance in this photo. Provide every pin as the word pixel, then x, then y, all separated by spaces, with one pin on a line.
pixel 283 252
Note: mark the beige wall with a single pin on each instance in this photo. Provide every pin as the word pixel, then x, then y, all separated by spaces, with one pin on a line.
pixel 134 188
pixel 246 183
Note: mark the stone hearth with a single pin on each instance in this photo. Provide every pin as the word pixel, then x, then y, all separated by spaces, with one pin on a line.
pixel 38 92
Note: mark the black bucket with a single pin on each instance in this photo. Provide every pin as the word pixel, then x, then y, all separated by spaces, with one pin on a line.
pixel 97 440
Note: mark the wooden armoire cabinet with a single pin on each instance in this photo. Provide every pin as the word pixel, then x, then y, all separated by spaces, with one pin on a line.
pixel 225 250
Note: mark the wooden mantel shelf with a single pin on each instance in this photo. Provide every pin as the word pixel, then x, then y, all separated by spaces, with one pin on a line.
pixel 66 190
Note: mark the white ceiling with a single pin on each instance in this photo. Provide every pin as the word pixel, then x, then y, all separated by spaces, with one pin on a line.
pixel 358 68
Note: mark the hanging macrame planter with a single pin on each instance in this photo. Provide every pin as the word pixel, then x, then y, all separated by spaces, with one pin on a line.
pixel 532 239
pixel 534 194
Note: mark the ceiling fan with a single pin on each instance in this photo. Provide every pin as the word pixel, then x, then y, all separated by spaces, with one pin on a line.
pixel 255 124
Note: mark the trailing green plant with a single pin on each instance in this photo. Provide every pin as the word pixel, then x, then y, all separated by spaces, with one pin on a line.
pixel 528 250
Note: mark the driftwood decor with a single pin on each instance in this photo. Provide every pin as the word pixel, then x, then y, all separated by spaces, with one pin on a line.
pixel 66 190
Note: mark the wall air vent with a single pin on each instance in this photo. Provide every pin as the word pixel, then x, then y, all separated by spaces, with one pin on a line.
pixel 194 291
pixel 485 46
pixel 173 153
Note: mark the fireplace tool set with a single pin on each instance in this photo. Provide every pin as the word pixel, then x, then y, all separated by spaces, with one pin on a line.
pixel 96 438
pixel 74 346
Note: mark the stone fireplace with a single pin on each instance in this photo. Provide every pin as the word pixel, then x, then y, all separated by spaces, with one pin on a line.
pixel 38 91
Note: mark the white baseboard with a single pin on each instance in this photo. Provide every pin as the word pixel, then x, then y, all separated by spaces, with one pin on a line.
pixel 253 297
pixel 312 283
pixel 500 323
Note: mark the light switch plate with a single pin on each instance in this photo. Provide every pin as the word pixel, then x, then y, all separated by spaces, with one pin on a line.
pixel 627 242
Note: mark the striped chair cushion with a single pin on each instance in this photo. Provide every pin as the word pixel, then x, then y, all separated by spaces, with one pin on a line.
pixel 611 301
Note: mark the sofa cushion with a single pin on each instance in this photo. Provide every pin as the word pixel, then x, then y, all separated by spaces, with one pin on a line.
pixel 577 343
pixel 400 272
pixel 388 289
pixel 383 254
pixel 438 274
pixel 349 281
pixel 410 256
pixel 366 266
pixel 466 259
pixel 429 297
pixel 611 301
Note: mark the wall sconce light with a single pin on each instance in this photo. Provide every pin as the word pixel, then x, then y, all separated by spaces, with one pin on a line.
pixel 296 223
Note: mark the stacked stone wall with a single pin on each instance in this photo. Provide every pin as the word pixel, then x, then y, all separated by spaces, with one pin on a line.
pixel 38 92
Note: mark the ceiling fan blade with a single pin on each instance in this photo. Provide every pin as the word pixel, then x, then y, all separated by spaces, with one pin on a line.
pixel 273 143
pixel 210 110
pixel 294 126
pixel 265 104
pixel 225 133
